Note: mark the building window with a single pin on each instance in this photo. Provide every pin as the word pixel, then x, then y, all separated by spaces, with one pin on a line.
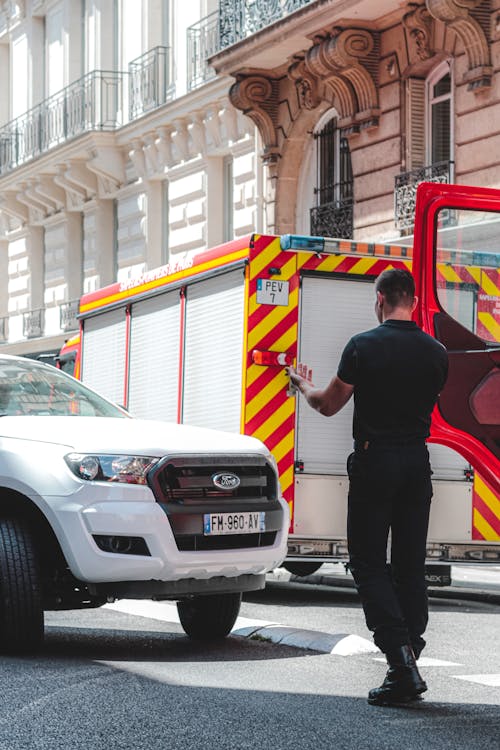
pixel 429 140
pixel 439 115
pixel 331 216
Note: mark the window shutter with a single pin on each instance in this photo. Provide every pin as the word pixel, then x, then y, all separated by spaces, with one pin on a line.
pixel 415 123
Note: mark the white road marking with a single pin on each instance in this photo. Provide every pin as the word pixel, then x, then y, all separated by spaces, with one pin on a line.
pixel 491 680
pixel 341 644
pixel 167 612
pixel 427 661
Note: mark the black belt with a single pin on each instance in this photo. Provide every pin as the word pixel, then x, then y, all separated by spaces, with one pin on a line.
pixel 383 442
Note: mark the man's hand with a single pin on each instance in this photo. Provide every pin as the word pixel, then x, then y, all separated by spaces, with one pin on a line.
pixel 328 401
pixel 295 378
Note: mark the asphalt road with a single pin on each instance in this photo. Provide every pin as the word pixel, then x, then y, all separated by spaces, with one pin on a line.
pixel 125 676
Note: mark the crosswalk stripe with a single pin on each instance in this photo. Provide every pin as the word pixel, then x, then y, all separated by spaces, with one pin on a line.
pixel 491 680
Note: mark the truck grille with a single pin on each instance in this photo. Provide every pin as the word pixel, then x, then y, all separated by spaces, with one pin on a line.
pixel 184 487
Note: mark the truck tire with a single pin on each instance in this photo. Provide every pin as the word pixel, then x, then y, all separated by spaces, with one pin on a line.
pixel 21 611
pixel 302 568
pixel 206 618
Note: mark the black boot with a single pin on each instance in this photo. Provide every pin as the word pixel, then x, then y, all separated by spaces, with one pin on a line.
pixel 402 683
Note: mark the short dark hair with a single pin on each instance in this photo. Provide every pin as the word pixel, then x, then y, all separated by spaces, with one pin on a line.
pixel 398 287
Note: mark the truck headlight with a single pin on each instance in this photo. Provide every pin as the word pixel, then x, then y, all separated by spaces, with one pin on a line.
pixel 110 468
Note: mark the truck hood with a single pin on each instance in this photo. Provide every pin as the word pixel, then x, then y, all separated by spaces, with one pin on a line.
pixel 126 436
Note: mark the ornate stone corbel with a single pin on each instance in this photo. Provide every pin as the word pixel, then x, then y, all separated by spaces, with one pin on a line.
pixel 75 196
pixel 45 187
pixel 336 60
pixel 108 166
pixel 36 211
pixel 180 139
pixel 228 117
pixel 418 27
pixel 306 84
pixel 78 174
pixel 12 207
pixel 164 147
pixel 212 124
pixel 456 15
pixel 151 156
pixel 136 155
pixel 254 95
pixel 197 133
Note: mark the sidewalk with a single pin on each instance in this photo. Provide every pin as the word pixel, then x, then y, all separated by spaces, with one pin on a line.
pixel 480 582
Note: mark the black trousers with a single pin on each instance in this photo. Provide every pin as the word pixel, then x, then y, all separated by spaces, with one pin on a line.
pixel 390 490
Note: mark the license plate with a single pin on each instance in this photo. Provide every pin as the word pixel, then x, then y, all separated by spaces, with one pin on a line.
pixel 234 523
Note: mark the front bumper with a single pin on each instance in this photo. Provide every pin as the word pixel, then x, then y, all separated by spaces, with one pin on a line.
pixel 131 511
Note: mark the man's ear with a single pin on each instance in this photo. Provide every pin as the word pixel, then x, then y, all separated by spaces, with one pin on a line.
pixel 380 299
pixel 414 303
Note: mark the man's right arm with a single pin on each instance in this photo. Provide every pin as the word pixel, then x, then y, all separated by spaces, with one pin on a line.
pixel 327 401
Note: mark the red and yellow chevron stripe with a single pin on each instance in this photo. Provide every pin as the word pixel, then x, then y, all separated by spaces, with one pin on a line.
pixel 268 413
pixel 487 281
pixel 485 512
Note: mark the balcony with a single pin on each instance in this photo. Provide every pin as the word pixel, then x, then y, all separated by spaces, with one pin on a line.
pixel 202 43
pixel 68 315
pixel 149 82
pixel 92 103
pixel 333 219
pixel 34 323
pixel 405 190
pixel 241 18
pixel 234 21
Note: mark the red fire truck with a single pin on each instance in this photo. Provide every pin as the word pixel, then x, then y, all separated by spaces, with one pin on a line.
pixel 204 341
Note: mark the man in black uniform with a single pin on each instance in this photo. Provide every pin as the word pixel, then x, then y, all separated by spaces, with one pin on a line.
pixel 396 372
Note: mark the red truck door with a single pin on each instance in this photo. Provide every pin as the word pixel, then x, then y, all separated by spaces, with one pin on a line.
pixel 457 274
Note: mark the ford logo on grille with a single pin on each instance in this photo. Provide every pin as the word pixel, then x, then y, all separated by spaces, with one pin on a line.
pixel 226 481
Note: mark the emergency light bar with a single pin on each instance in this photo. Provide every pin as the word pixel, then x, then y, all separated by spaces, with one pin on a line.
pixel 319 245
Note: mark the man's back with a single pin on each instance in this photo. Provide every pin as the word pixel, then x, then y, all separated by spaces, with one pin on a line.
pixel 397 371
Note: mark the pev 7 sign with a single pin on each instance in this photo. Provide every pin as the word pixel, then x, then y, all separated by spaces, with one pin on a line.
pixel 457 273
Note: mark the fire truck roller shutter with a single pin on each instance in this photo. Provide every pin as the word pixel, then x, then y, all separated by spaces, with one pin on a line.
pixel 331 311
pixel 154 357
pixel 213 350
pixel 103 354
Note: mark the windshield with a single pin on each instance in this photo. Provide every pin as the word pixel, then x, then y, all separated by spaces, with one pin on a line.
pixel 30 388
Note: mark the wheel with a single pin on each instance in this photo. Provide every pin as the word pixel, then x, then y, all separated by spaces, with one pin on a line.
pixel 205 618
pixel 21 611
pixel 302 568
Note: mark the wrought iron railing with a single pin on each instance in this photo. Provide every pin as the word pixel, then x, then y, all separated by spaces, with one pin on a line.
pixel 405 190
pixel 34 323
pixel 333 219
pixel 93 102
pixel 202 42
pixel 68 315
pixel 240 18
pixel 150 85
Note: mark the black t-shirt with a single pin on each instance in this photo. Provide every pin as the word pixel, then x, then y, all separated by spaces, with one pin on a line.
pixel 398 372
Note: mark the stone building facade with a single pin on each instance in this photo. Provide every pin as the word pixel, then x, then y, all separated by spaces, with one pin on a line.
pixel 137 132
pixel 119 151
pixel 392 92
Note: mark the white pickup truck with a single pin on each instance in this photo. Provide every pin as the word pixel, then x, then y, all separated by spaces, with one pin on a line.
pixel 96 506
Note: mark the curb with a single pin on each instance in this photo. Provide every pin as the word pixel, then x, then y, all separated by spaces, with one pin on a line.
pixel 489 596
